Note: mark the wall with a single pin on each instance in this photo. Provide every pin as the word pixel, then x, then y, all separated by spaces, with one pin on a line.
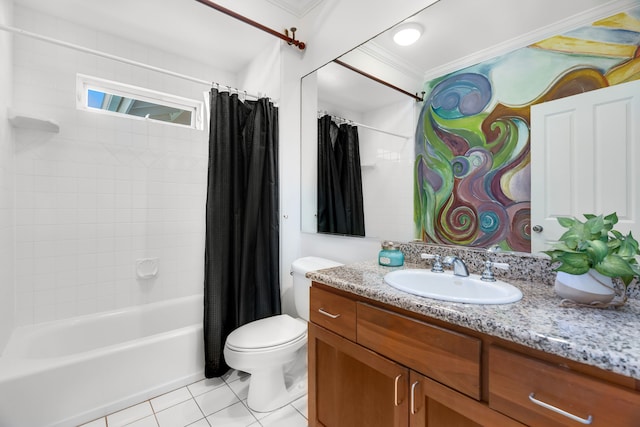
pixel 7 239
pixel 105 191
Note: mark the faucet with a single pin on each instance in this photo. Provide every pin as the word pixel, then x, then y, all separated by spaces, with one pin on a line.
pixel 459 267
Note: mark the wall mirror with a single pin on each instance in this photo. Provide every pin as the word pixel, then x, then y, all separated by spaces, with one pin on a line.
pixel 457 35
pixel 385 122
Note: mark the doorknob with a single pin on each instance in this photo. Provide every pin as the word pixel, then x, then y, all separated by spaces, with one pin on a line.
pixel 537 228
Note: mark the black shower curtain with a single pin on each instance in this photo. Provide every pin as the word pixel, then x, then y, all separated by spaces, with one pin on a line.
pixel 242 280
pixel 340 201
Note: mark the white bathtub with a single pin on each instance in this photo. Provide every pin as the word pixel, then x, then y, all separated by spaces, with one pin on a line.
pixel 67 372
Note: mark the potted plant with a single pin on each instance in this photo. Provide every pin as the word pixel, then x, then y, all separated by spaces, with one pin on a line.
pixel 590 254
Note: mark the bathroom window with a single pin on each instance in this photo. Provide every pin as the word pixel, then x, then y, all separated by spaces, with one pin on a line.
pixel 108 97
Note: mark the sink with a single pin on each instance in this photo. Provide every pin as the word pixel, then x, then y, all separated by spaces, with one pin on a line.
pixel 445 286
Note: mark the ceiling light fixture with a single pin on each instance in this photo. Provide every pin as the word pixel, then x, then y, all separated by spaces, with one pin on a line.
pixel 407 33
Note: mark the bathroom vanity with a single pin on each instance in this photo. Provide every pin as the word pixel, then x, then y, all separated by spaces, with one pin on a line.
pixel 382 357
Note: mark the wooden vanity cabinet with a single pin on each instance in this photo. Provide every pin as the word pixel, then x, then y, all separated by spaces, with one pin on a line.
pixel 363 364
pixel 370 366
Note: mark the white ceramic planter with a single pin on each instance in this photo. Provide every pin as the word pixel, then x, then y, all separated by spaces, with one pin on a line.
pixel 584 288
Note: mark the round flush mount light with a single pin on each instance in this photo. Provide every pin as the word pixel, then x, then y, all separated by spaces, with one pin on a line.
pixel 407 33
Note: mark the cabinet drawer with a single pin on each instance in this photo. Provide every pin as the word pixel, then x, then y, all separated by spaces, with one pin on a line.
pixel 446 356
pixel 522 387
pixel 336 313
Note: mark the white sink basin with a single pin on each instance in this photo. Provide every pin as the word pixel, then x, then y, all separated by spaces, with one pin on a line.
pixel 445 286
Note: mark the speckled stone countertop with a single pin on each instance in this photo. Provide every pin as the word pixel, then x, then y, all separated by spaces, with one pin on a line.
pixel 606 338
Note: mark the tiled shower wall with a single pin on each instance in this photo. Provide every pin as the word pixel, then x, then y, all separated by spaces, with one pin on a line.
pixel 104 191
pixel 388 162
pixel 6 182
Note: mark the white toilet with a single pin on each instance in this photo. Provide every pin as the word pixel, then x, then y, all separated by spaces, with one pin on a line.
pixel 273 350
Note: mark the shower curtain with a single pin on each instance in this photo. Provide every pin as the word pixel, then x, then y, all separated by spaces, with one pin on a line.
pixel 340 201
pixel 242 280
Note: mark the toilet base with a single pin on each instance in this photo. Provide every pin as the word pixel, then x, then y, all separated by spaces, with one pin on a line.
pixel 270 389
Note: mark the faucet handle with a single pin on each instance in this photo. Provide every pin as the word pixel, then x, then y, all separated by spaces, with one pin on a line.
pixel 437 264
pixel 487 273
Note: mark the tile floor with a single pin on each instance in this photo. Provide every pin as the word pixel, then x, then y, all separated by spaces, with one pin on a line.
pixel 216 402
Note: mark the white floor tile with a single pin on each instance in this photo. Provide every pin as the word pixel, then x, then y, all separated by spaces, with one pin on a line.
pixel 241 387
pixel 205 385
pixel 236 415
pixel 216 399
pixel 167 400
pixel 233 374
pixel 301 405
pixel 145 422
pixel 100 422
pixel 129 415
pixel 180 415
pixel 284 417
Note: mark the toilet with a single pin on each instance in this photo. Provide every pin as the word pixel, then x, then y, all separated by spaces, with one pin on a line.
pixel 273 350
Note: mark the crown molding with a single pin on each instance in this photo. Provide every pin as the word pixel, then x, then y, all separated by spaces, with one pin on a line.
pixel 573 22
pixel 387 57
pixel 298 8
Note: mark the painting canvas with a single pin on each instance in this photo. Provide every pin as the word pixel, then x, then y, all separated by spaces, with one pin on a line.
pixel 472 178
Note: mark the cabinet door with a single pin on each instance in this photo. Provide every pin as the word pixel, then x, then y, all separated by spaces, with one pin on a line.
pixel 351 386
pixel 432 404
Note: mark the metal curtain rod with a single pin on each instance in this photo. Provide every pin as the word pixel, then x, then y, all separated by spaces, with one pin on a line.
pixel 291 40
pixel 351 122
pixel 374 78
pixel 118 58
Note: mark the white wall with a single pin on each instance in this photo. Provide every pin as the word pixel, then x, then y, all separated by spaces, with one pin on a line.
pixel 7 239
pixel 106 190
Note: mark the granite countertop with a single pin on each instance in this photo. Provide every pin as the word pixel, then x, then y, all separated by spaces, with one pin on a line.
pixel 605 338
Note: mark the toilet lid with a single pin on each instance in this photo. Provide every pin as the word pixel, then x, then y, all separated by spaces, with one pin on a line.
pixel 268 332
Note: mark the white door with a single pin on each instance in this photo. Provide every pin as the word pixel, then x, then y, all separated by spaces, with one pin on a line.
pixel 585 158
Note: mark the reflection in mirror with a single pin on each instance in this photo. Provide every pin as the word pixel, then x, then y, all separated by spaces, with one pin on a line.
pixel 385 122
pixel 340 205
pixel 472 150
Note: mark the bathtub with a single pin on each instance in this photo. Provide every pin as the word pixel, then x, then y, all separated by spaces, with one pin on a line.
pixel 71 371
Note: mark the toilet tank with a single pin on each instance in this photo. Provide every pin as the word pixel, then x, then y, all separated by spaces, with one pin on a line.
pixel 301 284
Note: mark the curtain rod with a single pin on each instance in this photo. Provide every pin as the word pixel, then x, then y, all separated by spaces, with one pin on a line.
pixel 290 40
pixel 119 59
pixel 374 78
pixel 351 122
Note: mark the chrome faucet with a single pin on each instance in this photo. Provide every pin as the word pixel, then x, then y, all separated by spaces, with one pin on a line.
pixel 459 267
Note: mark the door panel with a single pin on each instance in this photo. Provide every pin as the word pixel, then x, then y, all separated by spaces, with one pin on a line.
pixel 350 386
pixel 584 152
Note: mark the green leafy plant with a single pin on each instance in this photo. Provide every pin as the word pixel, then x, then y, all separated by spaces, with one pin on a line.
pixel 595 244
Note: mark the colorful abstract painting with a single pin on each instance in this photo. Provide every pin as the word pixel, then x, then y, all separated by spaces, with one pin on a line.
pixel 472 178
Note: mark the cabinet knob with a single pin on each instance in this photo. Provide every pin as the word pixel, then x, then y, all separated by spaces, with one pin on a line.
pixel 537 228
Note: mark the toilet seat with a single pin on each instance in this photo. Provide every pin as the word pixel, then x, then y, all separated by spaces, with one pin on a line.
pixel 270 333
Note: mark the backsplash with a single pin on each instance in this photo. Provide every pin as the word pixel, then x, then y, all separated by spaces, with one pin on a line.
pixel 522 266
